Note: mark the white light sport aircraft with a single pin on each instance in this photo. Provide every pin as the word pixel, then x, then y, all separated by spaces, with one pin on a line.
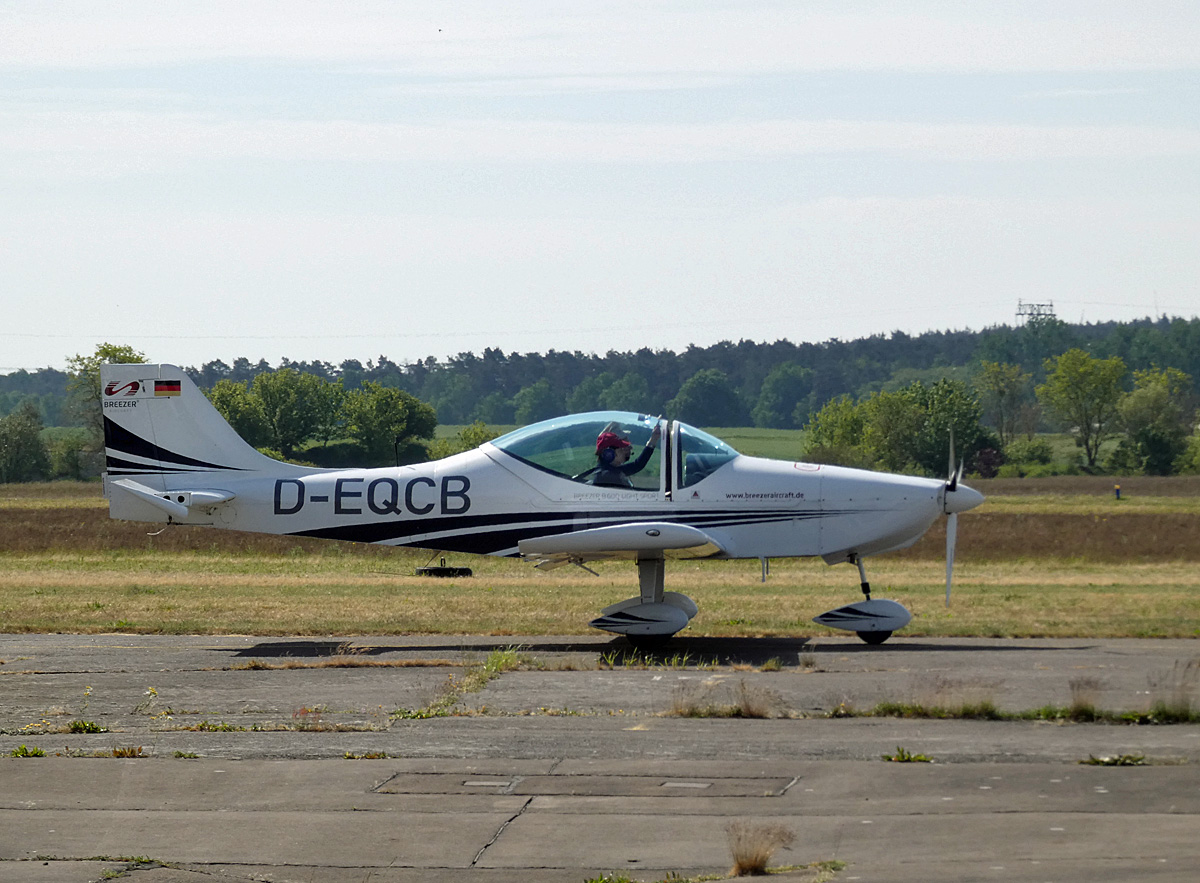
pixel 557 492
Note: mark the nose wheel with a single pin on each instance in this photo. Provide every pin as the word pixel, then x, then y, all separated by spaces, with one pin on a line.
pixel 872 619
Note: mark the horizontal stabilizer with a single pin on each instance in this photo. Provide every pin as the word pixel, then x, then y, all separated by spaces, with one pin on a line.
pixel 622 540
pixel 177 504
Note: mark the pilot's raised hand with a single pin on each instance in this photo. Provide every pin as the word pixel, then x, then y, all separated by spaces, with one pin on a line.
pixel 655 436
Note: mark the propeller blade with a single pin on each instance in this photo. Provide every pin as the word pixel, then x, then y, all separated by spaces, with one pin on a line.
pixel 952 474
pixel 951 540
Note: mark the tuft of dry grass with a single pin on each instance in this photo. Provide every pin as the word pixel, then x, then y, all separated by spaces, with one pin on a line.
pixel 1085 698
pixel 1173 694
pixel 752 845
pixel 940 691
pixel 718 699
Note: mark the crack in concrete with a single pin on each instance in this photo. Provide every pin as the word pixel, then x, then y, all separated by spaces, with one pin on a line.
pixel 501 830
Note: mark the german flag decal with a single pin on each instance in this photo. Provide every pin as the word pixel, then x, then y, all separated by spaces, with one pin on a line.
pixel 166 387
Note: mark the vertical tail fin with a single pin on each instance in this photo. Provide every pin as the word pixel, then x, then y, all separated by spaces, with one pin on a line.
pixel 159 429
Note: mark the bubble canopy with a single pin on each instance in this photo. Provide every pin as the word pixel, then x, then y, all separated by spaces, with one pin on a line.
pixel 566 446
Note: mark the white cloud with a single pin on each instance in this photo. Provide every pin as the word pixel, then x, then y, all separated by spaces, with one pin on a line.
pixel 544 38
pixel 81 144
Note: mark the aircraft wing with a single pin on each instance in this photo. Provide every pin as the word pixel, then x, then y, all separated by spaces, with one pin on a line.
pixel 620 541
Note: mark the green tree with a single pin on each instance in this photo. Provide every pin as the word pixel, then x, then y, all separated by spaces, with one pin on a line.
pixel 1083 393
pixel 452 392
pixel 786 394
pixel 707 398
pixel 536 402
pixel 23 455
pixel 242 410
pixel 495 407
pixel 834 434
pixel 67 449
pixel 1188 462
pixel 1154 419
pixel 389 423
pixel 630 393
pixel 291 404
pixel 905 430
pixel 83 385
pixel 1003 389
pixel 893 425
pixel 586 395
pixel 326 398
pixel 949 410
pixel 467 439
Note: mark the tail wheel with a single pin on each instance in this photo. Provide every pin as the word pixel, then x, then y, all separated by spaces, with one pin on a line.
pixel 874 637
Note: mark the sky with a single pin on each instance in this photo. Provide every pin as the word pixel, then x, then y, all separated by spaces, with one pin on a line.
pixel 338 181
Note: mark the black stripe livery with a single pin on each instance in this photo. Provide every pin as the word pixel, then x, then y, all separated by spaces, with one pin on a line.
pixel 119 439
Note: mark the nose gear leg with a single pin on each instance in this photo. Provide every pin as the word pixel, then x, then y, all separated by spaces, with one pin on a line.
pixel 862 576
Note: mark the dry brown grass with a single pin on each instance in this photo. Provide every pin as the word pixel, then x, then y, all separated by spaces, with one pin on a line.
pixel 752 845
pixel 717 698
pixel 212 593
pixel 1097 486
pixel 71 568
pixel 1118 537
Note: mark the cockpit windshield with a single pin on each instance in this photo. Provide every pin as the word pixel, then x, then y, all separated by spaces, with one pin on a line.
pixel 702 454
pixel 610 448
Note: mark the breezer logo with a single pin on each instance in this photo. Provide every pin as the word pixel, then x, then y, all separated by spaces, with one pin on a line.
pixel 116 388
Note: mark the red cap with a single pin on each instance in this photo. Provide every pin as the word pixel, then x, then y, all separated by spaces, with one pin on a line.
pixel 610 440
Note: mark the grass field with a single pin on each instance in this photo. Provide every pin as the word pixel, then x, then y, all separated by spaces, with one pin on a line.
pixel 1064 559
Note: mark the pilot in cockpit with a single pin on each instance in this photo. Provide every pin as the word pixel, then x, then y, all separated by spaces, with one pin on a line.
pixel 612 452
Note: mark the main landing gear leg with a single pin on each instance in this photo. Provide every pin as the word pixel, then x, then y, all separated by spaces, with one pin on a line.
pixel 652 615
pixel 651 576
pixel 651 581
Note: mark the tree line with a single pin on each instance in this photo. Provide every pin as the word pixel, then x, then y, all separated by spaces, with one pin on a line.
pixel 882 401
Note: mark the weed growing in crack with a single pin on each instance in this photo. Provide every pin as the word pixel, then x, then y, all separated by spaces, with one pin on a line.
pixel 1174 693
pixel 309 718
pixel 752 845
pixel 147 704
pixel 475 678
pixel 637 659
pixel 1085 693
pixel 1116 760
pixel 742 701
pixel 903 755
pixel 808 658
